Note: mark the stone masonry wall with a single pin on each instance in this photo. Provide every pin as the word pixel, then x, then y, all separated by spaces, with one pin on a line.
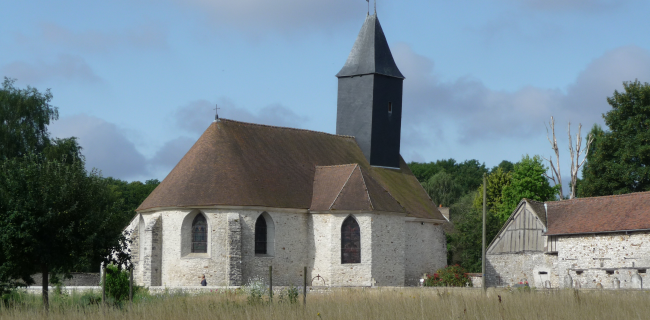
pixel 388 249
pixel 290 252
pixel 508 269
pixel 234 250
pixel 588 258
pixel 153 250
pixel 353 274
pixel 425 250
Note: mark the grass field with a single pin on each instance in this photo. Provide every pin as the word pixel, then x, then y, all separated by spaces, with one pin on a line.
pixel 406 303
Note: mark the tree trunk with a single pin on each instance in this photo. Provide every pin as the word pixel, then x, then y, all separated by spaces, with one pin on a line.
pixel 46 282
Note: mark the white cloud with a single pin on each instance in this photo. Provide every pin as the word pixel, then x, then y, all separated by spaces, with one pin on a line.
pixel 64 67
pixel 588 6
pixel 477 113
pixel 104 146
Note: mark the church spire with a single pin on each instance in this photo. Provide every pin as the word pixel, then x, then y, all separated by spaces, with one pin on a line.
pixel 369 105
pixel 370 53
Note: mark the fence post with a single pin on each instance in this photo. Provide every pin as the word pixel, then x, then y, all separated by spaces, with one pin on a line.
pixel 131 284
pixel 270 283
pixel 304 287
pixel 104 284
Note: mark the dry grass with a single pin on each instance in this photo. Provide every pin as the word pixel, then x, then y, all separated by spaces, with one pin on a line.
pixel 407 303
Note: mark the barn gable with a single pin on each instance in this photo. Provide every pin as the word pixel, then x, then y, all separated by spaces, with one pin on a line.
pixel 523 231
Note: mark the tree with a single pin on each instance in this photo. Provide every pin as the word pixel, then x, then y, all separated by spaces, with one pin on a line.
pixel 619 161
pixel 53 214
pixel 496 182
pixel 442 188
pixel 528 181
pixel 24 116
pixel 555 176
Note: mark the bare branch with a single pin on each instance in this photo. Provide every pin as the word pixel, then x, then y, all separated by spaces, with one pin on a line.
pixel 556 177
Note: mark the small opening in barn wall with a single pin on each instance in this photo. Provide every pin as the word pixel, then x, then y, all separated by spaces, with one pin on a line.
pixel 543 272
pixel 609 271
pixel 642 270
pixel 390 107
pixel 579 271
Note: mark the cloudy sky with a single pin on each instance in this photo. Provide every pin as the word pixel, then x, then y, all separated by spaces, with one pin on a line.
pixel 136 80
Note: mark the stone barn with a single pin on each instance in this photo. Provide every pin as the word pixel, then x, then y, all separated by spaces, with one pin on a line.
pixel 599 242
pixel 249 196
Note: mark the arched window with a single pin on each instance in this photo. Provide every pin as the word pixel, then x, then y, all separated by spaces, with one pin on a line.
pixel 350 241
pixel 264 235
pixel 260 235
pixel 199 234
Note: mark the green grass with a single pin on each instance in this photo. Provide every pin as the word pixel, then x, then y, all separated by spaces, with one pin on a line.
pixel 387 303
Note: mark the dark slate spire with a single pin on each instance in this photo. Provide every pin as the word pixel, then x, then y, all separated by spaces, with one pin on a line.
pixel 370 53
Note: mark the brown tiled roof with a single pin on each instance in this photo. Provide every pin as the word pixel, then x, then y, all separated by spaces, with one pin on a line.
pixel 539 210
pixel 349 187
pixel 243 164
pixel 599 214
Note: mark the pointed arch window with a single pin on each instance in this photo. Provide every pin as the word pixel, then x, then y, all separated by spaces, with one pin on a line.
pixel 199 234
pixel 350 241
pixel 264 235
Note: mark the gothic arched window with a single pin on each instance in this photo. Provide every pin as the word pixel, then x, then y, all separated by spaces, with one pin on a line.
pixel 199 234
pixel 260 235
pixel 350 241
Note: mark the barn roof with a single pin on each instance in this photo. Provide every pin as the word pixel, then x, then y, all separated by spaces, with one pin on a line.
pixel 244 164
pixel 624 212
pixel 370 53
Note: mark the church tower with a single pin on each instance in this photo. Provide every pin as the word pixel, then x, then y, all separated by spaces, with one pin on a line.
pixel 369 105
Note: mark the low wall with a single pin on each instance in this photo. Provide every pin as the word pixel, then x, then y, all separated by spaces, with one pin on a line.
pixel 79 279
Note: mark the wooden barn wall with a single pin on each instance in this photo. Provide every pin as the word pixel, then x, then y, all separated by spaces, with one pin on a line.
pixel 523 233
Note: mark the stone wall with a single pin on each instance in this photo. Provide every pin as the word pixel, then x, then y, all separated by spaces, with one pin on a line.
pixel 388 249
pixel 425 251
pixel 79 279
pixel 508 269
pixel 589 258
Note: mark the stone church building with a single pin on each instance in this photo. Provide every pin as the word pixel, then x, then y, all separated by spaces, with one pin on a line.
pixel 599 242
pixel 249 196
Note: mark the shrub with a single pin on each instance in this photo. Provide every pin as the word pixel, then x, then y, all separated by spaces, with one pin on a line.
pixel 450 276
pixel 117 283
pixel 255 289
pixel 289 295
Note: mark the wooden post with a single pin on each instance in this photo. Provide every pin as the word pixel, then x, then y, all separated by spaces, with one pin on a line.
pixel 270 283
pixel 104 284
pixel 483 243
pixel 304 287
pixel 45 287
pixel 131 284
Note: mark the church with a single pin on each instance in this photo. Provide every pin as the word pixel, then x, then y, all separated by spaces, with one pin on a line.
pixel 345 206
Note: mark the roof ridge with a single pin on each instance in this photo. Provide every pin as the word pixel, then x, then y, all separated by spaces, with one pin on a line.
pixel 365 186
pixel 342 187
pixel 279 127
pixel 599 197
pixel 339 165
pixel 389 194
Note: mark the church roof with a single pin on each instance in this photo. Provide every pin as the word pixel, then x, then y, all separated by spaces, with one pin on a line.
pixel 370 53
pixel 242 164
pixel 349 187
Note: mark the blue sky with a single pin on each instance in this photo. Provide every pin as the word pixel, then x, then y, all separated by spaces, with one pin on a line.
pixel 136 81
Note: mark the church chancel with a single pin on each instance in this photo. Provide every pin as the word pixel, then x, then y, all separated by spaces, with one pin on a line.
pixel 249 196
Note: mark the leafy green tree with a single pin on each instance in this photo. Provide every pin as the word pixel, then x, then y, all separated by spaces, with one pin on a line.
pixel 528 181
pixel 467 175
pixel 619 159
pixel 53 214
pixel 504 165
pixel 24 116
pixel 442 189
pixel 497 180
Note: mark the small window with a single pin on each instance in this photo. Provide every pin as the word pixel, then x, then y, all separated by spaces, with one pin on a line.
pixel 609 271
pixel 579 271
pixel 199 234
pixel 642 270
pixel 260 235
pixel 390 107
pixel 543 272
pixel 350 241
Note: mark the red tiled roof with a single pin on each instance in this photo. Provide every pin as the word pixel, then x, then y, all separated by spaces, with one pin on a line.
pixel 243 164
pixel 349 187
pixel 599 214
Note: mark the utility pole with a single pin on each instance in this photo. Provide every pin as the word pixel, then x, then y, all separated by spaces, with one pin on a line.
pixel 483 243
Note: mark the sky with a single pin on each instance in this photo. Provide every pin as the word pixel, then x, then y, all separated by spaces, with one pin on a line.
pixel 137 81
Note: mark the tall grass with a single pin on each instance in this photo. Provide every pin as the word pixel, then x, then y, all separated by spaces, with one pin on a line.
pixel 406 303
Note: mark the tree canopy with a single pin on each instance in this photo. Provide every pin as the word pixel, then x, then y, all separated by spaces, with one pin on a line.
pixel 619 159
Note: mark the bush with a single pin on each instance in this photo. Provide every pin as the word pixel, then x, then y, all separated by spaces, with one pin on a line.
pixel 450 276
pixel 255 289
pixel 117 283
pixel 289 295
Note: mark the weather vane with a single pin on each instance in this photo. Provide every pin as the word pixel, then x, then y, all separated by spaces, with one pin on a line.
pixel 216 111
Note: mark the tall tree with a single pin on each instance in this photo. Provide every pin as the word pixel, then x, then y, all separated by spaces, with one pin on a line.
pixel 53 214
pixel 24 115
pixel 497 181
pixel 619 161
pixel 528 181
pixel 442 189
